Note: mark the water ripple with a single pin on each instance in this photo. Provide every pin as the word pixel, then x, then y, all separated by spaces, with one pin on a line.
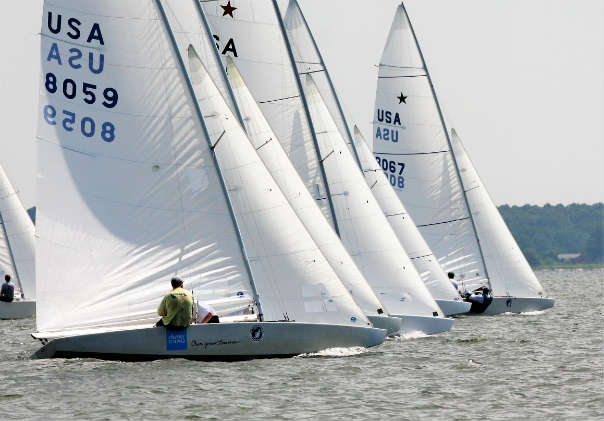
pixel 530 366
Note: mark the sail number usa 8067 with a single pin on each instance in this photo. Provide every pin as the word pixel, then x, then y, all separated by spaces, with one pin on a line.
pixel 393 170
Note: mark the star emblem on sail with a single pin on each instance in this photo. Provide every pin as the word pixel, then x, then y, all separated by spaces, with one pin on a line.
pixel 228 9
pixel 445 198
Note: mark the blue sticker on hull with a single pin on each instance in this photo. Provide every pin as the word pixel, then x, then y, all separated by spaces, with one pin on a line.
pixel 176 340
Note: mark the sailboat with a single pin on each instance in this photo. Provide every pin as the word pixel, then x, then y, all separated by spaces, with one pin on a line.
pixel 446 296
pixel 298 115
pixel 310 61
pixel 275 159
pixel 438 185
pixel 145 173
pixel 16 252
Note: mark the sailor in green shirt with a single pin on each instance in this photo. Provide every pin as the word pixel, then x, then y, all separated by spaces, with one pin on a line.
pixel 176 308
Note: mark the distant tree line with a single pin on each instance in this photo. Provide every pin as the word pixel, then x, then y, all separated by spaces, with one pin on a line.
pixel 544 232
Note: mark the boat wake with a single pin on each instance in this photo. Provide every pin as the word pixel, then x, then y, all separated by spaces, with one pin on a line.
pixel 526 313
pixel 335 352
pixel 533 313
pixel 408 335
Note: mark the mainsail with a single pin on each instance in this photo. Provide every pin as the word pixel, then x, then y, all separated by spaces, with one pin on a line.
pixel 16 240
pixel 420 254
pixel 411 142
pixel 133 177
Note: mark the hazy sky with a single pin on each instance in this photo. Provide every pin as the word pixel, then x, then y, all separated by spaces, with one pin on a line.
pixel 522 81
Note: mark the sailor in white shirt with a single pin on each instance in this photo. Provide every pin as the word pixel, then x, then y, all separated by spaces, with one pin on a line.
pixel 206 314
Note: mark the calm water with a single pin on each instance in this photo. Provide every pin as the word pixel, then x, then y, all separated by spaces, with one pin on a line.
pixel 531 367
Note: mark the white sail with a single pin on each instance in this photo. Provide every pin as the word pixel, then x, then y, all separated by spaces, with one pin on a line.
pixel 188 25
pixel 509 272
pixel 410 141
pixel 293 278
pixel 418 251
pixel 364 230
pixel 308 60
pixel 126 184
pixel 275 159
pixel 249 32
pixel 131 193
pixel 262 54
pixel 16 240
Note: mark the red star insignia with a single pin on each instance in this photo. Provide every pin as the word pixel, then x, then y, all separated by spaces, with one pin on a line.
pixel 228 9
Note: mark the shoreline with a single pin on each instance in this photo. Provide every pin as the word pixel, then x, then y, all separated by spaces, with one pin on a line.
pixel 582 266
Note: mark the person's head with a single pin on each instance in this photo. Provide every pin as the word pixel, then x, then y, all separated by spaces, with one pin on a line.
pixel 486 290
pixel 7 277
pixel 451 275
pixel 176 282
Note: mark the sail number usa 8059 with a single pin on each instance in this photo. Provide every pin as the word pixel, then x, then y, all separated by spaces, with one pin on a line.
pixel 80 93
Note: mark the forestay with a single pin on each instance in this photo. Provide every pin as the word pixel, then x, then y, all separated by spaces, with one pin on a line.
pixel 411 142
pixel 509 272
pixel 16 240
pixel 276 161
pixel 249 32
pixel 293 278
pixel 364 230
pixel 418 251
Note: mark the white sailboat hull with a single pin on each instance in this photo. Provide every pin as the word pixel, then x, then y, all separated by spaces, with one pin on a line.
pixel 228 341
pixel 452 307
pixel 425 325
pixel 518 305
pixel 17 309
pixel 392 325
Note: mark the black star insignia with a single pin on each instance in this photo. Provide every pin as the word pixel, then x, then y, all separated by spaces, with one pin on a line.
pixel 402 99
pixel 228 9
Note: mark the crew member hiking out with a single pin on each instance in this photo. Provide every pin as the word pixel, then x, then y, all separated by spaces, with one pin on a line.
pixel 176 308
pixel 7 293
pixel 481 298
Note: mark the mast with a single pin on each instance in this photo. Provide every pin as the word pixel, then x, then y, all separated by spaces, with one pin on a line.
pixel 12 257
pixel 225 78
pixel 331 87
pixel 442 120
pixel 205 130
pixel 307 113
